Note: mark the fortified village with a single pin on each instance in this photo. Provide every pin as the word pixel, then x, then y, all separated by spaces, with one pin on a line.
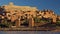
pixel 18 14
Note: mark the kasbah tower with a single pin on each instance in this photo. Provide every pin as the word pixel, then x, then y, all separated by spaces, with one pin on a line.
pixel 15 13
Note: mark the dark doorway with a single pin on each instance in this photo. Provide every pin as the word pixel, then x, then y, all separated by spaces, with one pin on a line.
pixel 26 23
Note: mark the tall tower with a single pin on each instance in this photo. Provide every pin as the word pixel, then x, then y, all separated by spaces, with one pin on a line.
pixel 11 4
pixel 31 22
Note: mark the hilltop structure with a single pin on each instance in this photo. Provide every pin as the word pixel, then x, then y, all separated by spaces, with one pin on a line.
pixel 18 14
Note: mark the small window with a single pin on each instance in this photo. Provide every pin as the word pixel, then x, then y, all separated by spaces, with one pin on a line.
pixel 25 14
pixel 9 15
pixel 37 11
pixel 14 14
pixel 44 12
pixel 39 15
pixel 49 12
pixel 28 11
pixel 41 11
pixel 15 10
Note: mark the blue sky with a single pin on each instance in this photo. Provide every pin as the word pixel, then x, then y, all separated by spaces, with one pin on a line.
pixel 40 4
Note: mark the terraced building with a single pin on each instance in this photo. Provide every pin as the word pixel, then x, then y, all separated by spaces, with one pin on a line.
pixel 18 14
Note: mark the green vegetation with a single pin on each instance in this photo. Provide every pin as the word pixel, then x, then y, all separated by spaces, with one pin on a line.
pixel 40 20
pixel 6 23
pixel 58 22
pixel 36 20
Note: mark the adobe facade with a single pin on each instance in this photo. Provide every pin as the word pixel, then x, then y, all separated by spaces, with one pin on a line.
pixel 15 13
